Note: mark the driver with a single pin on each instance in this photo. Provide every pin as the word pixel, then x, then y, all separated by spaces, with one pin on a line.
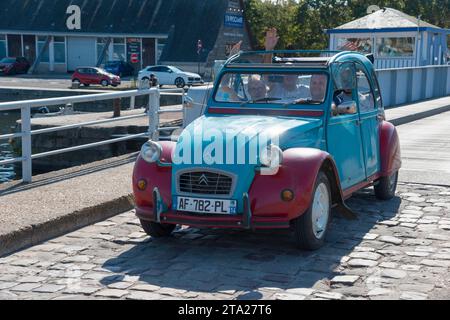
pixel 257 87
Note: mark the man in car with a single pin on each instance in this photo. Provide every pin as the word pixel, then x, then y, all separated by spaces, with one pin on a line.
pixel 257 87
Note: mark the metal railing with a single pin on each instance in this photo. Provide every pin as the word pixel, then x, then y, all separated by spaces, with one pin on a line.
pixel 26 133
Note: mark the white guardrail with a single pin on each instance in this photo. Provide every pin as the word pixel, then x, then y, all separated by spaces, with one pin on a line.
pixel 26 133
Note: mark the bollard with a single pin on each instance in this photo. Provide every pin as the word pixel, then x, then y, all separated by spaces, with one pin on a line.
pixel 116 108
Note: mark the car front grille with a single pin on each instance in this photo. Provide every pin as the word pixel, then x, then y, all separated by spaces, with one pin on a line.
pixel 204 182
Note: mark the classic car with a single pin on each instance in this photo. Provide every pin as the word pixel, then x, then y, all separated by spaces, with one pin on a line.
pixel 285 137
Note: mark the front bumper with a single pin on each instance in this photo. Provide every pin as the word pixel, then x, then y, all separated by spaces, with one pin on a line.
pixel 241 221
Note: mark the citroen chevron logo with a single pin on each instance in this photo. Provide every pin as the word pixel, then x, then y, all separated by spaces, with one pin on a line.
pixel 203 180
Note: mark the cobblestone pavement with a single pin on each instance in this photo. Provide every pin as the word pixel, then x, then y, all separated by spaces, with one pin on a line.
pixel 395 250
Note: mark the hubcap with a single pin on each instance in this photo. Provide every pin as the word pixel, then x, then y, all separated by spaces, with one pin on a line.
pixel 320 210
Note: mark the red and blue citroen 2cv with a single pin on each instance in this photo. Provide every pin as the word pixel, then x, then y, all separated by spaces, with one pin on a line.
pixel 285 137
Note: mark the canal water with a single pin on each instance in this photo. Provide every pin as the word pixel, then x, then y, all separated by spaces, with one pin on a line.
pixel 7 124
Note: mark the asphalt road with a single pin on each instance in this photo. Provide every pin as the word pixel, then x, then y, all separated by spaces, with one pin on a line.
pixel 62 81
pixel 425 146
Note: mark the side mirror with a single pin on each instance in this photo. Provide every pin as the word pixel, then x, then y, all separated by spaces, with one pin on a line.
pixel 344 108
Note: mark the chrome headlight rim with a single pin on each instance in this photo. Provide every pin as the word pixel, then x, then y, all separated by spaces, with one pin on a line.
pixel 271 156
pixel 151 151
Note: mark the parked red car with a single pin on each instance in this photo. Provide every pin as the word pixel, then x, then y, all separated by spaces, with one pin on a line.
pixel 12 65
pixel 89 75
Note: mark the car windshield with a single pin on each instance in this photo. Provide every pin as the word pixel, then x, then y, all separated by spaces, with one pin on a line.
pixel 277 88
pixel 8 60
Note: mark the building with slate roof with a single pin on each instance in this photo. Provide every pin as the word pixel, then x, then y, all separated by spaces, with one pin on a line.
pixel 396 39
pixel 60 35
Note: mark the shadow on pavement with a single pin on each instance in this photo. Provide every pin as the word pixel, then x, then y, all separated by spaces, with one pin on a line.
pixel 216 260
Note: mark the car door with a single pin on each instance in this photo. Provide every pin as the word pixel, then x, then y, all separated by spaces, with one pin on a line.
pixel 344 141
pixel 166 75
pixel 92 76
pixel 157 72
pixel 369 121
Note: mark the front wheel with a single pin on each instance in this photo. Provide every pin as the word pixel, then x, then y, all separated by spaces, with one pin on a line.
pixel 386 186
pixel 179 82
pixel 104 83
pixel 157 230
pixel 311 228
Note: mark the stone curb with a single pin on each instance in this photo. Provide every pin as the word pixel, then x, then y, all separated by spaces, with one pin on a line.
pixel 34 234
pixel 418 116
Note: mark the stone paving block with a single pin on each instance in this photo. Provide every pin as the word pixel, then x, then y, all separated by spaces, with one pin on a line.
pixel 288 296
pixel 49 288
pixel 361 263
pixel 366 255
pixel 7 285
pixel 143 295
pixel 111 293
pixel 390 239
pixel 345 279
pixel 25 287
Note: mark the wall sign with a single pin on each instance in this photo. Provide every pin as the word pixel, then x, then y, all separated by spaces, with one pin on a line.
pixel 134 50
pixel 234 20
pixel 73 22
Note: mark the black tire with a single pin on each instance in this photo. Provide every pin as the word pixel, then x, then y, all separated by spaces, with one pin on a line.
pixel 179 82
pixel 86 84
pixel 104 83
pixel 157 230
pixel 305 235
pixel 386 186
pixel 76 80
pixel 146 78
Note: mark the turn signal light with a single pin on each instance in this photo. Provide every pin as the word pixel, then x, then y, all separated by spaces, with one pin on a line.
pixel 287 195
pixel 142 184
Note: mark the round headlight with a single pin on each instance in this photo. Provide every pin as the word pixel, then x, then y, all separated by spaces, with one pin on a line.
pixel 272 156
pixel 151 151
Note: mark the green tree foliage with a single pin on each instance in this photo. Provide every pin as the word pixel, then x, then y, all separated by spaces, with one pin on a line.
pixel 301 23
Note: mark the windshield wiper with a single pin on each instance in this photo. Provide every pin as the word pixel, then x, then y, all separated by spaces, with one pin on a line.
pixel 269 99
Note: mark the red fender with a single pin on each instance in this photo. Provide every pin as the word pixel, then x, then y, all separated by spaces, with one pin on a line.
pixel 298 173
pixel 156 176
pixel 391 160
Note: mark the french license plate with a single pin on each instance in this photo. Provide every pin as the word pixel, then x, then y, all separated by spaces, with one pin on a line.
pixel 216 206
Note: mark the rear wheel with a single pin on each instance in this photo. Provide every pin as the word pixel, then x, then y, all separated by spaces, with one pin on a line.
pixel 179 82
pixel 311 228
pixel 386 186
pixel 157 230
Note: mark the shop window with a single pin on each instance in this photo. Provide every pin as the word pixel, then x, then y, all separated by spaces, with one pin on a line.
pixel 396 47
pixel 101 42
pixel 3 52
pixel 59 45
pixel 40 43
pixel 119 51
pixel 160 49
pixel 363 45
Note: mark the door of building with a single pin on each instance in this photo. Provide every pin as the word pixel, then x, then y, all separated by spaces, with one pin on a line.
pixel 14 45
pixel 80 52
pixel 148 52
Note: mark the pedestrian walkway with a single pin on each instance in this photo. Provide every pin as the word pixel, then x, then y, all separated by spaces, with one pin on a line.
pixel 65 200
